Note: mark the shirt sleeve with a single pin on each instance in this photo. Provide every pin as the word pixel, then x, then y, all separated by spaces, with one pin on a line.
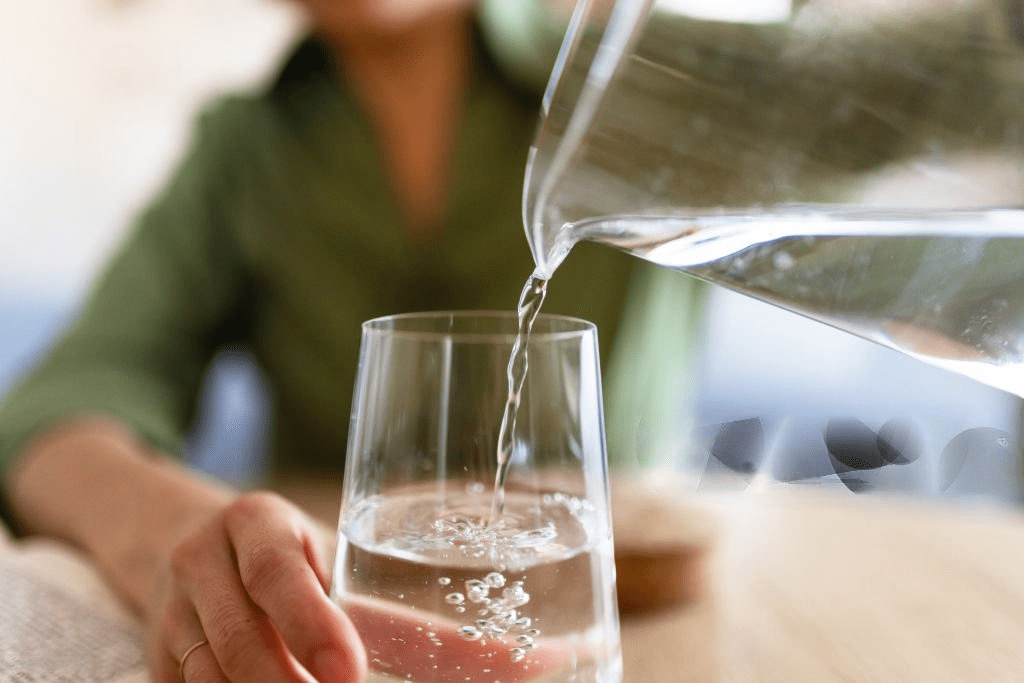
pixel 141 343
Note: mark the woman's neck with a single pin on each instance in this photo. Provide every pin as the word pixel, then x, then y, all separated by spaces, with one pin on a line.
pixel 411 85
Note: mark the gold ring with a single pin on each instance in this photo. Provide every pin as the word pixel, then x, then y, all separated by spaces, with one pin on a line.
pixel 184 657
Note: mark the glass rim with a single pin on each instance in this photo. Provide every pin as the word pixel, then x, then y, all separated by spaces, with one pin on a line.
pixel 562 327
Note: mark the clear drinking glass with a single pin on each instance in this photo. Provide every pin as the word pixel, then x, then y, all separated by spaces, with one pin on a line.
pixel 441 586
pixel 856 161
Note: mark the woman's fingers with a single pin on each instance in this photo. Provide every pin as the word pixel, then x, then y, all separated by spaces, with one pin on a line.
pixel 278 567
pixel 252 582
pixel 199 665
pixel 241 638
pixel 163 664
pixel 180 650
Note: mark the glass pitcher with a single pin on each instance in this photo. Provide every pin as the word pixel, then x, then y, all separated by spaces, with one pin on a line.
pixel 855 161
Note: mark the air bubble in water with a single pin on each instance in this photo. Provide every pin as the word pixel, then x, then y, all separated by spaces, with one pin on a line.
pixel 476 590
pixel 499 616
pixel 470 633
pixel 515 596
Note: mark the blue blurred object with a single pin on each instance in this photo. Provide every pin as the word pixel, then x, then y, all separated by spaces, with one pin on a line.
pixel 230 437
pixel 26 330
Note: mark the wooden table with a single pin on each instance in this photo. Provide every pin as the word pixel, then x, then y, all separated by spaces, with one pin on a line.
pixel 820 588
pixel 803 588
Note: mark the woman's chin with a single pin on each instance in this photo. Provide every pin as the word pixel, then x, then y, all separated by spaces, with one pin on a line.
pixel 368 19
pixel 397 15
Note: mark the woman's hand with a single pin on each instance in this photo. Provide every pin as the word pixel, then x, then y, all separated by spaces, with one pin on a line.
pixel 251 583
pixel 238 584
pixel 195 561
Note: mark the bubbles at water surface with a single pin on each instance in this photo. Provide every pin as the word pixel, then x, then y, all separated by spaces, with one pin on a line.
pixel 537 535
pixel 573 504
pixel 509 543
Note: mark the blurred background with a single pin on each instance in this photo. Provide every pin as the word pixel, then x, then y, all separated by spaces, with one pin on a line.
pixel 97 102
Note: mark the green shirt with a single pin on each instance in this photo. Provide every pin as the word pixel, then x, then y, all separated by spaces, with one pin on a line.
pixel 279 232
